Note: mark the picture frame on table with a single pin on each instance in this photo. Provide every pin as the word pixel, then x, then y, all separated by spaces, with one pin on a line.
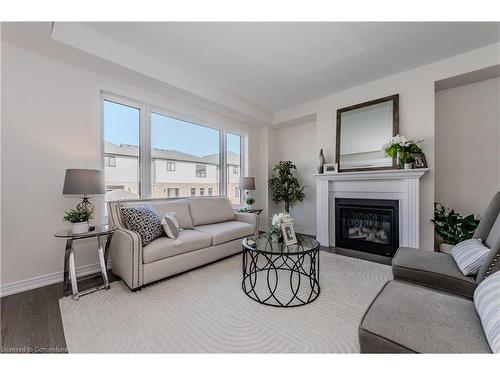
pixel 289 236
pixel 419 161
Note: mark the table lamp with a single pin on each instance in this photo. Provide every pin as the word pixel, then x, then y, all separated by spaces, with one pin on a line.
pixel 84 182
pixel 247 183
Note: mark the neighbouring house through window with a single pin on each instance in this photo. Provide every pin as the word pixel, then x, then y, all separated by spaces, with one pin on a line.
pixel 173 192
pixel 201 170
pixel 193 192
pixel 202 191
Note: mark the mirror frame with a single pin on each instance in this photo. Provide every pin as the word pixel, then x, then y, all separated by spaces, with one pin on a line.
pixel 395 129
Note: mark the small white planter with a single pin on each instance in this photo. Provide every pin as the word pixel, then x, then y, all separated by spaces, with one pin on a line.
pixel 80 227
pixel 445 248
pixel 408 165
pixel 248 206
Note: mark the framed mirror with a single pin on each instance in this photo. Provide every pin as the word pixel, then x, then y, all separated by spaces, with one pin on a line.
pixel 362 129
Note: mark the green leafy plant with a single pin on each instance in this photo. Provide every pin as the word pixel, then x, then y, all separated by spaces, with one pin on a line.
pixel 78 216
pixel 249 199
pixel 407 157
pixel 284 185
pixel 452 226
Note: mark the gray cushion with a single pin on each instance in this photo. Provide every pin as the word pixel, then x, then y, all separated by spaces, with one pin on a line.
pixel 494 234
pixel 165 247
pixel 488 219
pixel 409 318
pixel 144 220
pixel 211 210
pixel 487 301
pixel 170 225
pixel 436 270
pixel 226 231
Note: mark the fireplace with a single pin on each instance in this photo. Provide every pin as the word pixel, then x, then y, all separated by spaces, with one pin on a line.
pixel 368 225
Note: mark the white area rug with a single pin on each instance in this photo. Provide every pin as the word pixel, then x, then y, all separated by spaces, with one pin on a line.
pixel 205 311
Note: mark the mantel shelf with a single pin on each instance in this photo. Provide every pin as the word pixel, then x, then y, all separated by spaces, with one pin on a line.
pixel 374 175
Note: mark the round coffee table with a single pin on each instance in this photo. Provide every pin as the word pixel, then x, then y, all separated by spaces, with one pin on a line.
pixel 278 275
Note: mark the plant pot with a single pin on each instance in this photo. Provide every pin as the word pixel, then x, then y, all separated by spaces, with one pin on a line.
pixel 408 165
pixel 80 227
pixel 445 248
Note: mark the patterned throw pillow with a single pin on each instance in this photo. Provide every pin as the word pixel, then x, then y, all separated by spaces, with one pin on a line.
pixel 170 225
pixel 487 301
pixel 144 220
pixel 470 256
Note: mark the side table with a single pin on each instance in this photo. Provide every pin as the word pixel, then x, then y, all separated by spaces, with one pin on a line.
pixel 69 258
pixel 251 211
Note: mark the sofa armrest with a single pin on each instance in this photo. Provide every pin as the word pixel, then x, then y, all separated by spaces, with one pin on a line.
pixel 125 250
pixel 126 256
pixel 247 217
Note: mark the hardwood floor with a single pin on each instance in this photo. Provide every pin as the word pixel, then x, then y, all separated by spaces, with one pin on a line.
pixel 31 321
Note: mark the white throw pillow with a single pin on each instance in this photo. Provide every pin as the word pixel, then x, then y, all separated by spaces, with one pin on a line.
pixel 170 225
pixel 470 255
pixel 487 301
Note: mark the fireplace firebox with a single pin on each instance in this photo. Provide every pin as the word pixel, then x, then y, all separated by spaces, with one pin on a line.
pixel 368 225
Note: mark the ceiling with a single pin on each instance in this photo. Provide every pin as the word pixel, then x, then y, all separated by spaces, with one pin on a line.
pixel 278 65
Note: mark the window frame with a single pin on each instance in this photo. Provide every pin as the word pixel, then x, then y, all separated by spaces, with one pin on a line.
pixel 200 174
pixel 169 163
pixel 145 157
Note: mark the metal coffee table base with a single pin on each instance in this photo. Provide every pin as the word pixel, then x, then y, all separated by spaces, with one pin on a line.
pixel 262 273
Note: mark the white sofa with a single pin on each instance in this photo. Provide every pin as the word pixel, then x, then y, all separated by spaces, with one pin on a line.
pixel 212 230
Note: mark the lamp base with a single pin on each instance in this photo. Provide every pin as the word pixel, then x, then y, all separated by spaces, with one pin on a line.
pixel 85 204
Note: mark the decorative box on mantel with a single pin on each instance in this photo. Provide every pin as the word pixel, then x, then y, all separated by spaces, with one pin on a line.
pixel 398 184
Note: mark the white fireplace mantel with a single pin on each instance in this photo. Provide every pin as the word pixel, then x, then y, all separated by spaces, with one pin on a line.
pixel 399 184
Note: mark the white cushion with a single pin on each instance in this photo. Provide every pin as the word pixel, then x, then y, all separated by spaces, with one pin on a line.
pixel 487 301
pixel 170 225
pixel 226 231
pixel 470 256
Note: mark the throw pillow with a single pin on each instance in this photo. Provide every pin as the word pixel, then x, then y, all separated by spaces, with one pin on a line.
pixel 144 220
pixel 487 301
pixel 470 256
pixel 170 225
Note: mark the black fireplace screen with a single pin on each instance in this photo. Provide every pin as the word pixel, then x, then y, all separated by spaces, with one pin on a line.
pixel 370 225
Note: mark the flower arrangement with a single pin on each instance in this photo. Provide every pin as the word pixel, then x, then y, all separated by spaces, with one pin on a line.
pixel 403 148
pixel 277 220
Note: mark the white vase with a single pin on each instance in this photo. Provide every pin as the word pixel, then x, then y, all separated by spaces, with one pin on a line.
pixel 80 227
pixel 248 206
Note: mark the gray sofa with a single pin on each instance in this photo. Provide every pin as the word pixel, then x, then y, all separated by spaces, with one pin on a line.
pixel 428 308
pixel 212 230
pixel 439 270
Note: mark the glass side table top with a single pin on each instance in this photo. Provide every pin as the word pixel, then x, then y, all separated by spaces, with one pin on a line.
pixel 264 243
pixel 100 230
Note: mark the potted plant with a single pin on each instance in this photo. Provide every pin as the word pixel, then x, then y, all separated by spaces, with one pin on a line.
pixel 249 201
pixel 284 185
pixel 452 227
pixel 79 218
pixel 403 149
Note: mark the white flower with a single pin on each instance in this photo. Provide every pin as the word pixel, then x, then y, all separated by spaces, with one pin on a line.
pixel 281 218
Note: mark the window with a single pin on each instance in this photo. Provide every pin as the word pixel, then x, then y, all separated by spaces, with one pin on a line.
pixel 201 171
pixel 121 150
pixel 233 158
pixel 170 166
pixel 177 158
pixel 195 150
pixel 110 161
pixel 173 192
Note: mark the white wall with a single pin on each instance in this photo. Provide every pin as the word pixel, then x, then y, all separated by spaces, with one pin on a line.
pixel 298 144
pixel 416 114
pixel 468 146
pixel 51 121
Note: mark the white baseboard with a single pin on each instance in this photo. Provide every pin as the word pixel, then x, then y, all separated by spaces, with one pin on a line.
pixel 39 281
